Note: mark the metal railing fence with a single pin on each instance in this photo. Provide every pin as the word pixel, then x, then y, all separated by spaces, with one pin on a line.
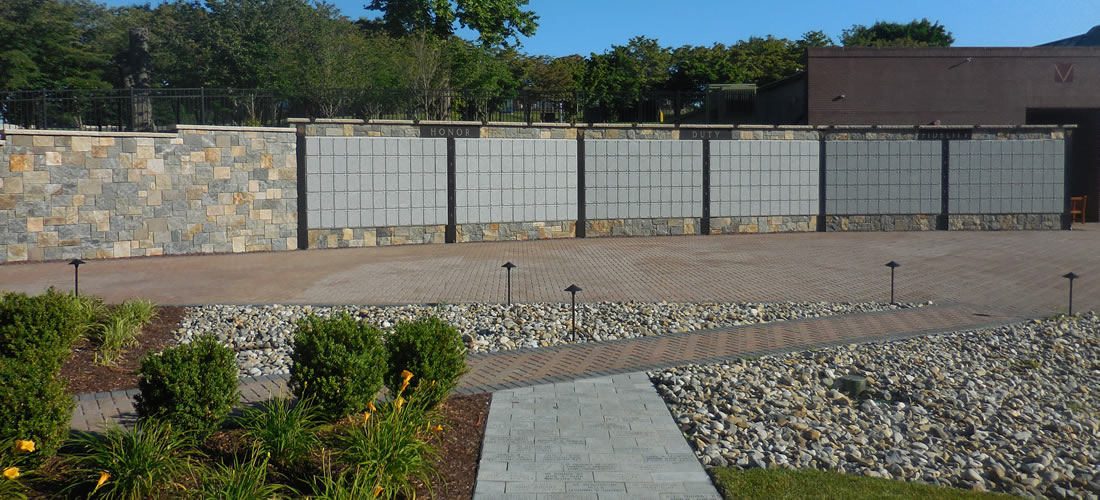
pixel 163 108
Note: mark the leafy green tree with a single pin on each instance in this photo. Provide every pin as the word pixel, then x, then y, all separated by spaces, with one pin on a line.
pixel 495 21
pixel 764 60
pixel 695 67
pixel 923 33
pixel 45 44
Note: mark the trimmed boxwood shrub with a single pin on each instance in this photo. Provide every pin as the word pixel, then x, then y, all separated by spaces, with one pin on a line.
pixel 36 406
pixel 192 386
pixel 338 363
pixel 433 351
pixel 40 330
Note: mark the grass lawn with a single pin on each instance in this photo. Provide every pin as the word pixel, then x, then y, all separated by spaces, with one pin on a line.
pixel 782 483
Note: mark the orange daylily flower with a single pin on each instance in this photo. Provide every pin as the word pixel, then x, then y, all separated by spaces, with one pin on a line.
pixel 24 445
pixel 11 472
pixel 103 477
pixel 377 491
pixel 370 406
pixel 437 428
pixel 399 402
pixel 366 416
pixel 406 376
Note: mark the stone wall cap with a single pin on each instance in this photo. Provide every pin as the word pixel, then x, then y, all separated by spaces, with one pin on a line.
pixel 706 126
pixel 451 122
pixel 82 133
pixel 390 122
pixel 756 127
pixel 352 121
pixel 229 128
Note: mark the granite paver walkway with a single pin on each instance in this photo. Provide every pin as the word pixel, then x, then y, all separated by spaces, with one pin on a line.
pixel 598 438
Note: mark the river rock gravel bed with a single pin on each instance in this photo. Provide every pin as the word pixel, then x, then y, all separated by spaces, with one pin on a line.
pixel 1013 409
pixel 262 335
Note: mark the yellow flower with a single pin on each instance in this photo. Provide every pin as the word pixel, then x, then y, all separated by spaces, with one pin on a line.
pixel 400 402
pixel 103 477
pixel 377 491
pixel 366 416
pixel 370 406
pixel 437 428
pixel 11 472
pixel 25 445
pixel 406 376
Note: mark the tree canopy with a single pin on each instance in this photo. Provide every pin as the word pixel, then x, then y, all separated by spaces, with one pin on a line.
pixel 310 44
pixel 495 21
pixel 923 33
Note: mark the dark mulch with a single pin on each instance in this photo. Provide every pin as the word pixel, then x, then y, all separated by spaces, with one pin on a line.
pixel 84 375
pixel 460 446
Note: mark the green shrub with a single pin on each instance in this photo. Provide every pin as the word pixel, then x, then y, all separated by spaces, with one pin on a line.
pixel 285 431
pixel 35 406
pixel 141 463
pixel 241 481
pixel 390 446
pixel 41 329
pixel 337 363
pixel 435 354
pixel 192 386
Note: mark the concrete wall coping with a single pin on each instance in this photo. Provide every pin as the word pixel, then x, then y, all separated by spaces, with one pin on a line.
pixel 82 133
pixel 236 129
pixel 944 127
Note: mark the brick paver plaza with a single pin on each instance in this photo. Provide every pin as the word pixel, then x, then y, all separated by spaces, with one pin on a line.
pixel 975 279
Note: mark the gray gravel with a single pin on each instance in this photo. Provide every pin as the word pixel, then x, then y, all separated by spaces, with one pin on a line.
pixel 1013 409
pixel 262 335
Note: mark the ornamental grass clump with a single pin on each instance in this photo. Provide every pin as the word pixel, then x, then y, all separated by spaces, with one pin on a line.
pixel 119 327
pixel 390 444
pixel 285 431
pixel 337 363
pixel 192 386
pixel 434 351
pixel 146 462
pixel 242 480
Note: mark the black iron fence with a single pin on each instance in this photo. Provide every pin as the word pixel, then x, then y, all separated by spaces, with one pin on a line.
pixel 163 108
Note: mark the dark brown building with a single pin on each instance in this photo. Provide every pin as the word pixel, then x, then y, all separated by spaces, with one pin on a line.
pixel 1057 84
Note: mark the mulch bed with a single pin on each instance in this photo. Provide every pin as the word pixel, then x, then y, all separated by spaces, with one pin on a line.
pixel 459 443
pixel 85 375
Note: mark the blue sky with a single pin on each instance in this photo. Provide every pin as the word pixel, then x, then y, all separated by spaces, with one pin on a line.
pixel 585 26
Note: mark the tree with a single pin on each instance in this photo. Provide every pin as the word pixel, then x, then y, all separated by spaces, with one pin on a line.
pixel 44 44
pixel 495 21
pixel 695 67
pixel 765 60
pixel 923 33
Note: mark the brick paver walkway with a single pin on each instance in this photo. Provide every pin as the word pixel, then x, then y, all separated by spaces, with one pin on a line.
pixel 594 439
pixel 1013 270
pixel 525 367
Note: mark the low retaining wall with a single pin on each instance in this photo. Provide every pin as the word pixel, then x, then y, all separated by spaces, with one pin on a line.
pixel 101 195
pixel 1004 222
pixel 642 227
pixel 782 224
pixel 516 231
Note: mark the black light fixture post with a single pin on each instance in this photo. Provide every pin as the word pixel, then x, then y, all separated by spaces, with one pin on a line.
pixel 892 265
pixel 1070 277
pixel 573 289
pixel 509 266
pixel 76 275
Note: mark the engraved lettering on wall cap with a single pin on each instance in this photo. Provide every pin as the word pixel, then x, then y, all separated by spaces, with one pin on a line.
pixel 935 135
pixel 461 131
pixel 1063 73
pixel 698 134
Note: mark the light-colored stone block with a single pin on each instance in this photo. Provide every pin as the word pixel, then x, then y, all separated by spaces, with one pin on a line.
pixel 79 143
pixel 21 163
pixel 34 224
pixel 42 177
pixel 43 141
pixel 221 173
pixel 53 158
pixel 212 155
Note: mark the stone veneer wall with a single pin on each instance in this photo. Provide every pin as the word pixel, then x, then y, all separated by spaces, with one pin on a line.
pixel 642 227
pixel 513 231
pixel 1010 222
pixel 375 236
pixel 914 222
pixel 763 224
pixel 100 195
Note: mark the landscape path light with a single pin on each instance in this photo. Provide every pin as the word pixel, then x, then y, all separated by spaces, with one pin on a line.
pixel 76 275
pixel 892 265
pixel 509 266
pixel 573 289
pixel 1070 277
